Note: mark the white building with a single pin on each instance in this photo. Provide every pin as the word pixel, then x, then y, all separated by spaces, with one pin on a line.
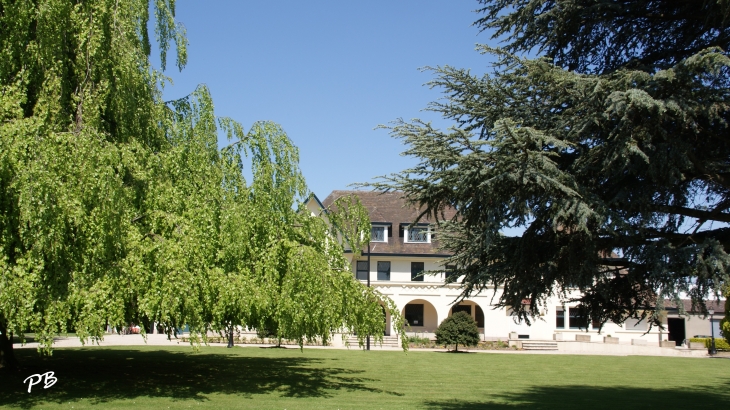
pixel 398 254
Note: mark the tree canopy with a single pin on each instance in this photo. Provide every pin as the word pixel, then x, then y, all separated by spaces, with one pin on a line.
pixel 458 329
pixel 610 151
pixel 118 207
pixel 600 36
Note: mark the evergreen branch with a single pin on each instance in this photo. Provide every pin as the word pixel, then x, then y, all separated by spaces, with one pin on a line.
pixel 714 215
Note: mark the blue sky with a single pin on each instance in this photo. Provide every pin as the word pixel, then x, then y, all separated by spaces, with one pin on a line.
pixel 328 72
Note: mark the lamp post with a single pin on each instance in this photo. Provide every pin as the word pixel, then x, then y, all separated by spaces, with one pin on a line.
pixel 368 340
pixel 713 351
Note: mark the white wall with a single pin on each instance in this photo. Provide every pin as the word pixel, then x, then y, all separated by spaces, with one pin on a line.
pixel 438 300
pixel 400 268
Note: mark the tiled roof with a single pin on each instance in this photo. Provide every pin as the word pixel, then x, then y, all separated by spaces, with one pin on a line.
pixel 390 208
pixel 719 307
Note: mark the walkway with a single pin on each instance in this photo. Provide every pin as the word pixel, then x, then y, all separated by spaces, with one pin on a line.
pixel 589 349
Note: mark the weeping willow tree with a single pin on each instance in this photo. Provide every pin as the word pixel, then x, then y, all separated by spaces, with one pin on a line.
pixel 116 207
pixel 303 289
pixel 610 152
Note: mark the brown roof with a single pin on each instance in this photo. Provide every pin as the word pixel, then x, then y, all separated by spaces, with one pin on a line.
pixel 719 307
pixel 390 208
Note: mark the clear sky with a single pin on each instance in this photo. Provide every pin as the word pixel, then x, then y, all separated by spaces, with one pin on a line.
pixel 328 72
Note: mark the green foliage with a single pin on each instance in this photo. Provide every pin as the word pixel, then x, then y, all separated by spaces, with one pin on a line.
pixel 418 339
pixel 421 342
pixel 117 207
pixel 616 170
pixel 720 344
pixel 495 345
pixel 350 221
pixel 459 328
pixel 725 322
pixel 83 138
pixel 600 36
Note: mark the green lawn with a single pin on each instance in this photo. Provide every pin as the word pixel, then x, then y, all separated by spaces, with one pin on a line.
pixel 254 378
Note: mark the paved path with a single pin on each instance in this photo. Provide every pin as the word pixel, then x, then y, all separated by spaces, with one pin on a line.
pixel 162 340
pixel 110 340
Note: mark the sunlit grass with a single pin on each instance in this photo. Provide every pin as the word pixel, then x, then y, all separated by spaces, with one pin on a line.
pixel 220 378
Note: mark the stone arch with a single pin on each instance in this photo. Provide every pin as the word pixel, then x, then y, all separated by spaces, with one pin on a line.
pixel 474 310
pixel 423 319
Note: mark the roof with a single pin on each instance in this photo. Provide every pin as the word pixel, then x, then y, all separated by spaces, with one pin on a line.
pixel 390 208
pixel 718 306
pixel 314 197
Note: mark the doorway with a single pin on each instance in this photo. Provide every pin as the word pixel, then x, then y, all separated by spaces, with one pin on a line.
pixel 676 330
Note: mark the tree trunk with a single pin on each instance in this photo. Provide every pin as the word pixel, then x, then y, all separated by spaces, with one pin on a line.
pixel 7 356
pixel 230 337
pixel 456 348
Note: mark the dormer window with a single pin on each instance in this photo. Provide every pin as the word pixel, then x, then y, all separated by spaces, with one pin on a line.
pixel 416 234
pixel 379 233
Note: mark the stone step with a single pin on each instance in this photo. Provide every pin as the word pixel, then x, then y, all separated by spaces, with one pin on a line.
pixel 539 346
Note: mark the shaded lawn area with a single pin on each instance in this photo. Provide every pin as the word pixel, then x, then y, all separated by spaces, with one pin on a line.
pixel 30 337
pixel 219 378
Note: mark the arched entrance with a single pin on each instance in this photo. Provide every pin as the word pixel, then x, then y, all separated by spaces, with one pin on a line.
pixel 420 315
pixel 474 310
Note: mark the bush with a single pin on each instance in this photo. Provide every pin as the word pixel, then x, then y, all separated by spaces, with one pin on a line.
pixel 458 329
pixel 418 340
pixel 720 344
pixel 493 345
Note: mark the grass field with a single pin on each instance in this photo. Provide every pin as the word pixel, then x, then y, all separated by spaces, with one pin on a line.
pixel 260 378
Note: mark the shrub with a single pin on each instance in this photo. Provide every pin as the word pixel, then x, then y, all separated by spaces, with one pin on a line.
pixel 720 344
pixel 492 345
pixel 458 329
pixel 418 340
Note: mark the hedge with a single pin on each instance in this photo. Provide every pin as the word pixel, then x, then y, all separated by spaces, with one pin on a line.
pixel 720 344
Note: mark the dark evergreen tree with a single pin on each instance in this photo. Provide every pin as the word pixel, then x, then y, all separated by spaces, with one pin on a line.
pixel 612 151
pixel 458 329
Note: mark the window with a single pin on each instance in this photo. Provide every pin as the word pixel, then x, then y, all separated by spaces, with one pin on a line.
pixel 559 318
pixel 417 234
pixel 715 323
pixel 414 314
pixel 362 270
pixel 574 319
pixel 449 271
pixel 377 234
pixel 416 271
pixel 633 324
pixel 383 270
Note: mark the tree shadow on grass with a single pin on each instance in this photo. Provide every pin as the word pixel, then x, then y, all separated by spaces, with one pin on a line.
pixel 103 375
pixel 592 397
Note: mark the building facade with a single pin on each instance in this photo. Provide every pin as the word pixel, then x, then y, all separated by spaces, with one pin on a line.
pixel 403 262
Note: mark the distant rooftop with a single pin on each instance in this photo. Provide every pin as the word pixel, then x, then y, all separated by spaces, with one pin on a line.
pixel 390 208
pixel 719 307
